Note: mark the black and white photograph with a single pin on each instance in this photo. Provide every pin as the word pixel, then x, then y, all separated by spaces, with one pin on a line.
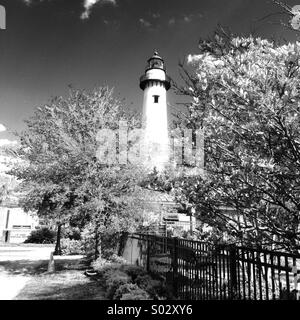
pixel 150 150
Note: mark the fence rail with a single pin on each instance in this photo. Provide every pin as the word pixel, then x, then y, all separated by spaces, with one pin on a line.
pixel 203 271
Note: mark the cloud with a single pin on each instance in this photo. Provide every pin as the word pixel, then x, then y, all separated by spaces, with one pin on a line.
pixel 192 58
pixel 6 142
pixel 155 15
pixel 145 23
pixel 171 21
pixel 2 128
pixel 89 4
pixel 29 2
pixel 187 18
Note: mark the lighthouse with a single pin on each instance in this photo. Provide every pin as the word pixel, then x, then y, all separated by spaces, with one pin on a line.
pixel 155 83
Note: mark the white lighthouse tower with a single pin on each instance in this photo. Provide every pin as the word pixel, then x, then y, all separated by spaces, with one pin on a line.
pixel 155 84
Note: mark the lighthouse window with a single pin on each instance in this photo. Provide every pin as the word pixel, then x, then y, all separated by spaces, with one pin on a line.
pixel 156 99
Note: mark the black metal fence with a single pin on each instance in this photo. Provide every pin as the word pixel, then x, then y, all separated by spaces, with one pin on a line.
pixel 202 271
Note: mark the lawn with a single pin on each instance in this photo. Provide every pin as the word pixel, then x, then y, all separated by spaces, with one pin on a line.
pixel 67 283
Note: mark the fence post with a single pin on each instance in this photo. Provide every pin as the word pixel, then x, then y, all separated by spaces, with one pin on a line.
pixel 233 271
pixel 175 267
pixel 148 254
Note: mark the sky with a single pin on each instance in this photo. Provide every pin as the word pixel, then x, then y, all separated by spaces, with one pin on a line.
pixel 51 44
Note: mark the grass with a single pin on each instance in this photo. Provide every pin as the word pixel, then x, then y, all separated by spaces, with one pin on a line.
pixel 67 283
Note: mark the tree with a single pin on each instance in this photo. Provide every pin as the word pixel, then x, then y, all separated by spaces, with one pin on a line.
pixel 245 94
pixel 61 174
pixel 2 192
pixel 292 12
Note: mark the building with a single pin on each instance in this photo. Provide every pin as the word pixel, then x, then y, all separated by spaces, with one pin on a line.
pixel 15 223
pixel 155 83
pixel 160 206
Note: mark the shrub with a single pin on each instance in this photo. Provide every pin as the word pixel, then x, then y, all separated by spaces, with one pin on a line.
pixel 117 259
pixel 88 241
pixel 136 294
pixel 72 233
pixel 145 282
pixel 43 235
pixel 133 271
pixel 129 282
pixel 109 243
pixel 99 264
pixel 123 289
pixel 155 287
pixel 131 291
pixel 71 246
pixel 114 281
pixel 105 267
pixel 109 272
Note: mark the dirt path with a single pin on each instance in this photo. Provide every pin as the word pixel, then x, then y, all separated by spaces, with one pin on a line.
pixel 17 264
pixel 24 276
pixel 11 285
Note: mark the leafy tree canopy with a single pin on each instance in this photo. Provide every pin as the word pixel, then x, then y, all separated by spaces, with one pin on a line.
pixel 245 94
pixel 60 172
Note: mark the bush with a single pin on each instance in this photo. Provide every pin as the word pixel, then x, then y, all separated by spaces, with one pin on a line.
pixel 109 243
pixel 99 264
pixel 43 235
pixel 133 271
pixel 117 259
pixel 155 287
pixel 114 280
pixel 109 272
pixel 131 291
pixel 72 233
pixel 88 241
pixel 105 267
pixel 123 289
pixel 71 246
pixel 147 283
pixel 102 262
pixel 136 294
pixel 129 282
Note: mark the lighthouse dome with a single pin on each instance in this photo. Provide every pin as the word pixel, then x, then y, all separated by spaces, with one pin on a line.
pixel 155 62
pixel 155 72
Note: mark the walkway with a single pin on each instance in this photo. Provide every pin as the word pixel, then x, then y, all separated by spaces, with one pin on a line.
pixel 24 276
